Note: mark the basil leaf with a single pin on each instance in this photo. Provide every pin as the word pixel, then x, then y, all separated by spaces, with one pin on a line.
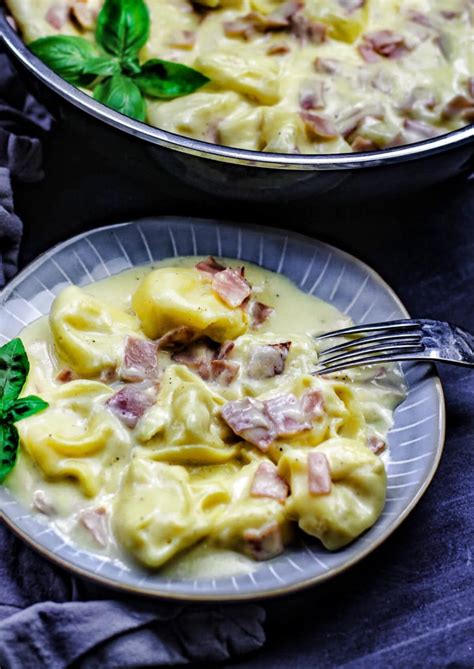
pixel 131 65
pixel 120 93
pixel 123 27
pixel 103 66
pixel 9 441
pixel 14 368
pixel 24 407
pixel 66 55
pixel 163 79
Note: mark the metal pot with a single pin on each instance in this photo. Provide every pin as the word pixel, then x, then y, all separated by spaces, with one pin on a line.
pixel 227 172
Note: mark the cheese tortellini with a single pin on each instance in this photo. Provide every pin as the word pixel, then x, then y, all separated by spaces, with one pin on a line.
pixel 89 334
pixel 169 298
pixel 357 494
pixel 178 423
pixel 75 438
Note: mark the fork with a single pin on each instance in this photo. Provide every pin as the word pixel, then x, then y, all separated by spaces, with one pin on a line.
pixel 409 339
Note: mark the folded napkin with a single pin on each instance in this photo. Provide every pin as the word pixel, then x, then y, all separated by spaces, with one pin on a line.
pixel 49 619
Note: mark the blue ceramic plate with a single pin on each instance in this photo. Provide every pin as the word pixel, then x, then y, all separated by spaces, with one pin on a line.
pixel 416 440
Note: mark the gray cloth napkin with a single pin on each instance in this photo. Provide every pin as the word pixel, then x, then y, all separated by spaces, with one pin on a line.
pixel 22 123
pixel 49 619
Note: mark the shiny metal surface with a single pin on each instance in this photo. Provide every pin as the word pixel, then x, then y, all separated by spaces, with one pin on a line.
pixel 236 173
pixel 408 339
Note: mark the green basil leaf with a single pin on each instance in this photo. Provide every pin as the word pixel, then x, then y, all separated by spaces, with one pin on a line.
pixel 66 55
pixel 123 27
pixel 14 368
pixel 103 66
pixel 163 79
pixel 9 441
pixel 120 93
pixel 26 406
pixel 131 65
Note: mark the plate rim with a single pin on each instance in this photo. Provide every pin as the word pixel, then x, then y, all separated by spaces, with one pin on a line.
pixel 257 594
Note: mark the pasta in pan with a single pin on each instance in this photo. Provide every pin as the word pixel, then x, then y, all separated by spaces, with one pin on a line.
pixel 183 416
pixel 299 76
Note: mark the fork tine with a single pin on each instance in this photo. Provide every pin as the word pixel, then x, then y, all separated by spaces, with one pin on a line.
pixel 361 342
pixel 368 360
pixel 390 326
pixel 366 352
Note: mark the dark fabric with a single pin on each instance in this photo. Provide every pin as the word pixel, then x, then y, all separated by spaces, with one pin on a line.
pixel 410 604
pixel 22 122
pixel 51 620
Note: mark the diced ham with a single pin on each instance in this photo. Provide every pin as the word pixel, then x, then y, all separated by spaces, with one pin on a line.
pixel 311 94
pixel 83 14
pixel 197 356
pixel 186 39
pixel 278 49
pixel 57 15
pixel 319 475
pixel 66 375
pixel 268 483
pixel 383 43
pixel 139 360
pixel 360 143
pixel 312 403
pixel 95 521
pixel 287 415
pixel 210 266
pixel 307 30
pixel 267 360
pixel 177 337
pixel 226 348
pixel 211 134
pixel 258 313
pixel 247 419
pixel 461 106
pixel 420 18
pixel 231 286
pixel 224 371
pixel 130 402
pixel 209 362
pixel 419 130
pixel 367 53
pixel 327 65
pixel 376 445
pixel 42 504
pixel 317 126
pixel 261 422
pixel 265 542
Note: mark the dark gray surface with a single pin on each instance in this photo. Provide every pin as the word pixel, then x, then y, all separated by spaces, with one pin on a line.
pixel 410 604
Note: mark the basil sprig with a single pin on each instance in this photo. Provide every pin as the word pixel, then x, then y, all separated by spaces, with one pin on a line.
pixel 111 67
pixel 14 368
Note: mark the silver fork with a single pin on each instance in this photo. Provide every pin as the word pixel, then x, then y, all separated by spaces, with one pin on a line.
pixel 410 339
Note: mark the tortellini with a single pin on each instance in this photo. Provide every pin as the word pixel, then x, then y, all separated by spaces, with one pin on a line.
pixel 168 298
pixel 185 424
pixel 356 498
pixel 256 76
pixel 154 515
pixel 245 514
pixel 88 334
pixel 75 438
